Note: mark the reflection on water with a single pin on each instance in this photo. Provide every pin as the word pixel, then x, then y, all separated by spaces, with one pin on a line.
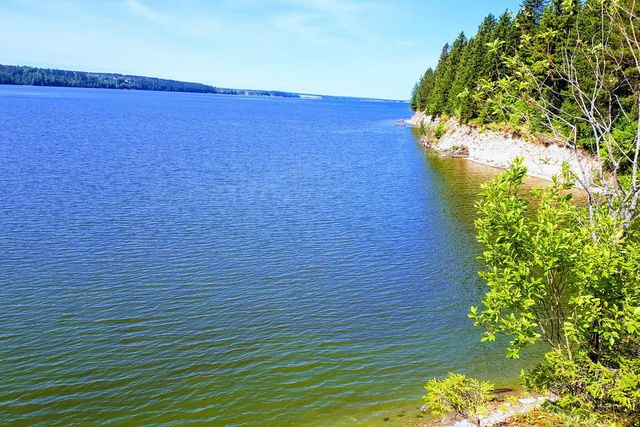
pixel 165 261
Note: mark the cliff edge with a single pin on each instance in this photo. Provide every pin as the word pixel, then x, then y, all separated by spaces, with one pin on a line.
pixel 543 160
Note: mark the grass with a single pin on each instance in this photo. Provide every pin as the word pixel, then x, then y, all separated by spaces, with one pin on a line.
pixel 549 417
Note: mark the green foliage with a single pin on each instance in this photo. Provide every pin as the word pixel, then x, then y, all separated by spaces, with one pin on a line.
pixel 444 77
pixel 552 417
pixel 561 273
pixel 439 130
pixel 458 393
pixel 422 91
pixel 567 275
pixel 624 133
pixel 422 130
pixel 512 69
pixel 548 278
pixel 527 254
pixel 452 86
pixel 414 103
pixel 583 386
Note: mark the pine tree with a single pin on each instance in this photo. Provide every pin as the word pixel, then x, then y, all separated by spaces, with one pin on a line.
pixel 414 96
pixel 425 88
pixel 435 99
pixel 445 74
pixel 542 30
pixel 530 14
pixel 421 91
pixel 458 102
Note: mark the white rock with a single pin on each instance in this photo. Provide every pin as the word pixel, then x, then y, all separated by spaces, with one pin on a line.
pixel 497 149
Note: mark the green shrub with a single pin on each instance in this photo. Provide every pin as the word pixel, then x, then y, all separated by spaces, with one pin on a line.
pixel 439 130
pixel 422 130
pixel 566 276
pixel 457 393
pixel 583 386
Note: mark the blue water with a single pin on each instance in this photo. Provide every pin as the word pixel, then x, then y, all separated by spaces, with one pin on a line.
pixel 175 258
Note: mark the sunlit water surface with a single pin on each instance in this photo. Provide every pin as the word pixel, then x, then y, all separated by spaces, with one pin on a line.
pixel 176 258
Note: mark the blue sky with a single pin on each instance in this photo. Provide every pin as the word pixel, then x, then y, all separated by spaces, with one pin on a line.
pixel 335 47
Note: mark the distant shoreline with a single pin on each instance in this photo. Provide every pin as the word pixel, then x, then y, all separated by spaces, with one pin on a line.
pixel 20 75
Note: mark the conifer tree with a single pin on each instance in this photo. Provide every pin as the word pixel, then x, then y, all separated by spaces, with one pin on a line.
pixel 444 77
pixel 436 100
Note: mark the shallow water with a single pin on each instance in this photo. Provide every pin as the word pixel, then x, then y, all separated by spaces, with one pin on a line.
pixel 184 258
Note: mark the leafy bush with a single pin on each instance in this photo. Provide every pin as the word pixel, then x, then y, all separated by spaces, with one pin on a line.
pixel 439 130
pixel 552 277
pixel 457 393
pixel 422 130
pixel 568 276
pixel 583 386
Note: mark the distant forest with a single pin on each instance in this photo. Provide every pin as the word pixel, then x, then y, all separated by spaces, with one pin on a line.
pixel 22 75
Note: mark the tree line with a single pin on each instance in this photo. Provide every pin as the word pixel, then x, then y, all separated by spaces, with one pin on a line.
pixel 470 72
pixel 23 75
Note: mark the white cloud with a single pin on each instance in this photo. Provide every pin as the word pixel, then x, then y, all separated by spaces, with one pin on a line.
pixel 300 24
pixel 323 20
pixel 144 11
pixel 191 26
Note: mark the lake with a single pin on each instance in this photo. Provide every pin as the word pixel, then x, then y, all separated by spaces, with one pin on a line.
pixel 172 258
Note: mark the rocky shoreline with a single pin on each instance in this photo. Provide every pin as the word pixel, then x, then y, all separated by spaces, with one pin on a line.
pixel 500 413
pixel 492 148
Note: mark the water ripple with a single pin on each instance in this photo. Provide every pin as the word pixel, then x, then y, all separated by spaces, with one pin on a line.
pixel 164 263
